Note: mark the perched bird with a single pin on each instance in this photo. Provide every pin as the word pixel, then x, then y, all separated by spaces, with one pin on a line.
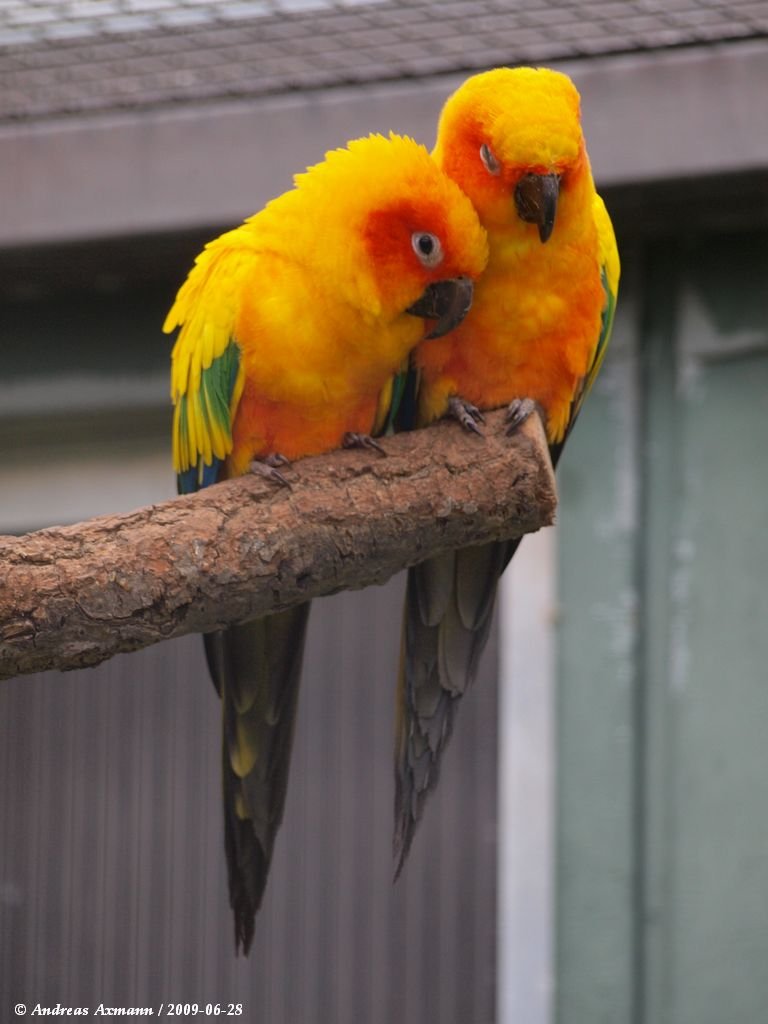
pixel 535 338
pixel 292 327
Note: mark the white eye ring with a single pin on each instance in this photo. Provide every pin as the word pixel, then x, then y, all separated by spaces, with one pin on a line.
pixel 427 247
pixel 490 162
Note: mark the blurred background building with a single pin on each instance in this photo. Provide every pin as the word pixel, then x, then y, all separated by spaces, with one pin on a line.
pixel 598 847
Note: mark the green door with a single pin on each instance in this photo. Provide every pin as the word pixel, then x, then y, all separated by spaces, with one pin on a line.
pixel 663 653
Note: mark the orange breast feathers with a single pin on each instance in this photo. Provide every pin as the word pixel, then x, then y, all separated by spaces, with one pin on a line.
pixel 312 364
pixel 531 333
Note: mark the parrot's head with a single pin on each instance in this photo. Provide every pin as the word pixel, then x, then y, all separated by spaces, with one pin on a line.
pixel 398 236
pixel 512 139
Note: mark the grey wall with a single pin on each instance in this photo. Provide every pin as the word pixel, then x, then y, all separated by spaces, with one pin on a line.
pixel 112 882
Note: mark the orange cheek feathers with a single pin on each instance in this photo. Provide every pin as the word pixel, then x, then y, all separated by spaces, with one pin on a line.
pixel 387 239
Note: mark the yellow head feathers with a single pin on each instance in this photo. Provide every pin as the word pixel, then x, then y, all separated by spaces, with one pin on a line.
pixel 503 124
pixel 352 217
pixel 529 117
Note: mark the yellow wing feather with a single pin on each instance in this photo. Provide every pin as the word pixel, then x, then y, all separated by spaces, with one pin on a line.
pixel 609 252
pixel 206 310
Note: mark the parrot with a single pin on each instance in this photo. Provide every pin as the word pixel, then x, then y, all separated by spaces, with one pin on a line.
pixel 534 340
pixel 293 329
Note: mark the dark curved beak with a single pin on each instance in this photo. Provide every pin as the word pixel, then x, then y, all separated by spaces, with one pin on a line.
pixel 447 302
pixel 536 201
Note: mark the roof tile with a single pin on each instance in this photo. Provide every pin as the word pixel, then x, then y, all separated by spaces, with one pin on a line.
pixel 14 36
pixel 183 17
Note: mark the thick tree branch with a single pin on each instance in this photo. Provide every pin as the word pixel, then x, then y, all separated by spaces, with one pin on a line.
pixel 74 596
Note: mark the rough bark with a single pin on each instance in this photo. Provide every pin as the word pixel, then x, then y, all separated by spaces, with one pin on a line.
pixel 74 596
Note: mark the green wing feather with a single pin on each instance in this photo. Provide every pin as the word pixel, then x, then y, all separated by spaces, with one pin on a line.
pixel 206 371
pixel 202 422
pixel 606 326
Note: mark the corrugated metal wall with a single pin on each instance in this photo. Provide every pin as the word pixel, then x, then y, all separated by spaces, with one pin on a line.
pixel 112 882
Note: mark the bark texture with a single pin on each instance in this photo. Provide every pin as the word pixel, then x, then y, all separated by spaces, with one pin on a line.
pixel 74 596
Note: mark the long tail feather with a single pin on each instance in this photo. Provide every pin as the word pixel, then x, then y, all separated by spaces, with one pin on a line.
pixel 448 614
pixel 256 667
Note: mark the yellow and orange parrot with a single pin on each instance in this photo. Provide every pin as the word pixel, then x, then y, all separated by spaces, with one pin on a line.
pixel 535 338
pixel 293 327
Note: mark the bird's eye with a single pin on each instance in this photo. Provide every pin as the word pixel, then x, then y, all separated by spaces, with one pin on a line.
pixel 490 162
pixel 427 247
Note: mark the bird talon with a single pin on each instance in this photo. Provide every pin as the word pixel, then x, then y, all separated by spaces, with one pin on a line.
pixel 468 415
pixel 518 411
pixel 353 440
pixel 267 468
pixel 276 459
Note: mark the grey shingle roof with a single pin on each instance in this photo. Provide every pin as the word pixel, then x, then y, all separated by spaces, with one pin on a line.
pixel 32 21
pixel 71 56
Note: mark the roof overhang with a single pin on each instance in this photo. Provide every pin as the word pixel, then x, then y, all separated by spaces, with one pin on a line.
pixel 682 113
